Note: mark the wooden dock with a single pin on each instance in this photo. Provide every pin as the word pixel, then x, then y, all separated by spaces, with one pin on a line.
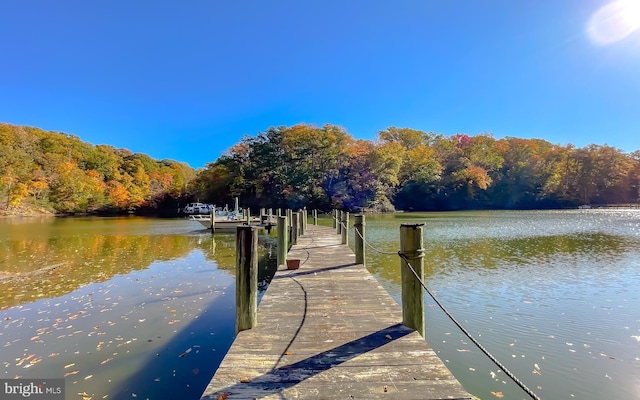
pixel 329 331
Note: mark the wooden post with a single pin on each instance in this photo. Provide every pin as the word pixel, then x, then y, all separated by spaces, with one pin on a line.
pixel 412 246
pixel 306 217
pixel 359 238
pixel 294 228
pixel 345 227
pixel 301 217
pixel 246 277
pixel 289 215
pixel 283 242
pixel 334 215
pixel 338 222
pixel 263 212
pixel 213 220
pixel 315 216
pixel 279 212
pixel 248 216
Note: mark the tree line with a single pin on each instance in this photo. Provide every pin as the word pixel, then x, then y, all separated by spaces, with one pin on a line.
pixel 408 169
pixel 60 173
pixel 317 167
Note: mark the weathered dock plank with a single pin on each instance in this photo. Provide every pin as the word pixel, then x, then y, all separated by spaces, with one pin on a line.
pixel 330 331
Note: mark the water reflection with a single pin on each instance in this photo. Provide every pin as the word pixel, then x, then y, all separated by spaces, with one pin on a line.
pixel 49 258
pixel 122 308
pixel 551 294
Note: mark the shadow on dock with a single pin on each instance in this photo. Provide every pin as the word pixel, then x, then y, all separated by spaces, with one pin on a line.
pixel 281 378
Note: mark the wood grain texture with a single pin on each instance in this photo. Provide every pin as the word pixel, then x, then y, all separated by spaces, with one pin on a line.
pixel 329 331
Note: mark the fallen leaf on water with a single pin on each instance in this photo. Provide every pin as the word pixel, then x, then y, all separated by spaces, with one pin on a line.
pixel 535 371
pixel 106 361
pixel 88 377
pixel 69 365
pixel 497 394
pixel 187 351
pixel 70 373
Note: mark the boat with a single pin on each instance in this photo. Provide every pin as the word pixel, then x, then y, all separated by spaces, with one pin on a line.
pixel 225 221
pixel 197 208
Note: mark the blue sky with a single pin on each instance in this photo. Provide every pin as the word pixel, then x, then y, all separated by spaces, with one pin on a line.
pixel 187 79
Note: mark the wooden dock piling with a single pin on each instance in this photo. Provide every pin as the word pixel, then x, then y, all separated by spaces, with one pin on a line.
pixel 246 277
pixel 283 242
pixel 345 227
pixel 301 219
pixel 295 227
pixel 330 331
pixel 359 225
pixel 213 220
pixel 411 245
pixel 305 218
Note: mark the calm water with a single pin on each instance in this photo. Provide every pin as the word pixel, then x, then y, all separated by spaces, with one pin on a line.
pixel 145 307
pixel 123 308
pixel 552 294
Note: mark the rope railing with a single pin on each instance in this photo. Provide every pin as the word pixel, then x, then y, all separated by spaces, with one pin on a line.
pixel 467 334
pixel 486 352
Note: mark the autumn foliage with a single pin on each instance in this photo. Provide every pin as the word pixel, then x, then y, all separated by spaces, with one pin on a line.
pixel 323 167
pixel 318 167
pixel 60 173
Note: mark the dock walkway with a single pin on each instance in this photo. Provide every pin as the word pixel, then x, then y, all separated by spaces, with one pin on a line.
pixel 329 331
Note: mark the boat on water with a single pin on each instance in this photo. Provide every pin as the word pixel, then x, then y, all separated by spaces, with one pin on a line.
pixel 227 220
pixel 224 221
pixel 197 209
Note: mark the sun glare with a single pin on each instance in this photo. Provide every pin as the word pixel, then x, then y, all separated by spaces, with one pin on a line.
pixel 614 22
